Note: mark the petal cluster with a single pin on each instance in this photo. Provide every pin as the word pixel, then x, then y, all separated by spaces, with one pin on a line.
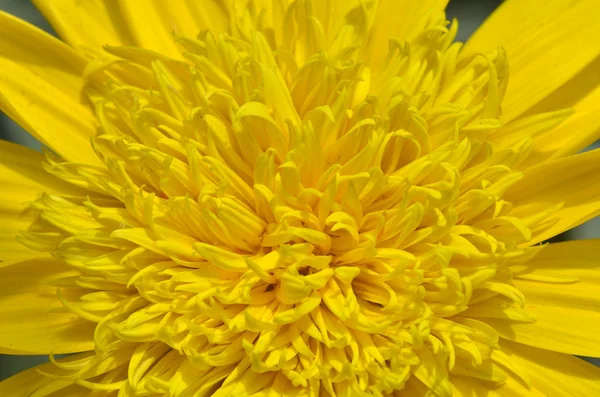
pixel 284 211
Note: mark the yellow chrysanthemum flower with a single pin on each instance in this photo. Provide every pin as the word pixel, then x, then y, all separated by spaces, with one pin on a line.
pixel 278 198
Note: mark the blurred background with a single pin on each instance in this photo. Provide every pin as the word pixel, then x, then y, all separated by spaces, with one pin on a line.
pixel 470 14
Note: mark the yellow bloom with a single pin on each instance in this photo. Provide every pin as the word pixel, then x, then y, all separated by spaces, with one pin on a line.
pixel 300 198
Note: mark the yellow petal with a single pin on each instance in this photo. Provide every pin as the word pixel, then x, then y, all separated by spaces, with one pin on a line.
pixel 470 387
pixel 563 262
pixel 28 381
pixel 22 178
pixel 40 88
pixel 401 20
pixel 154 22
pixel 566 313
pixel 22 166
pixel 72 391
pixel 581 88
pixel 576 133
pixel 34 383
pixel 33 319
pixel 572 182
pixel 559 36
pixel 554 374
pixel 86 25
pixel 11 223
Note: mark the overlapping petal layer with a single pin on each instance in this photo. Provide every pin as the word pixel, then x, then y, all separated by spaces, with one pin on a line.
pixel 285 206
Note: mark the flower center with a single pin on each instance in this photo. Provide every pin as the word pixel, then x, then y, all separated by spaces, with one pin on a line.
pixel 292 219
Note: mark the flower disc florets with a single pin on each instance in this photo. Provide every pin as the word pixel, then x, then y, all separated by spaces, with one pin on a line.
pixel 284 212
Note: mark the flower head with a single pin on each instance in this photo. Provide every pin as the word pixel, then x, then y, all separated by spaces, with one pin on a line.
pixel 295 198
